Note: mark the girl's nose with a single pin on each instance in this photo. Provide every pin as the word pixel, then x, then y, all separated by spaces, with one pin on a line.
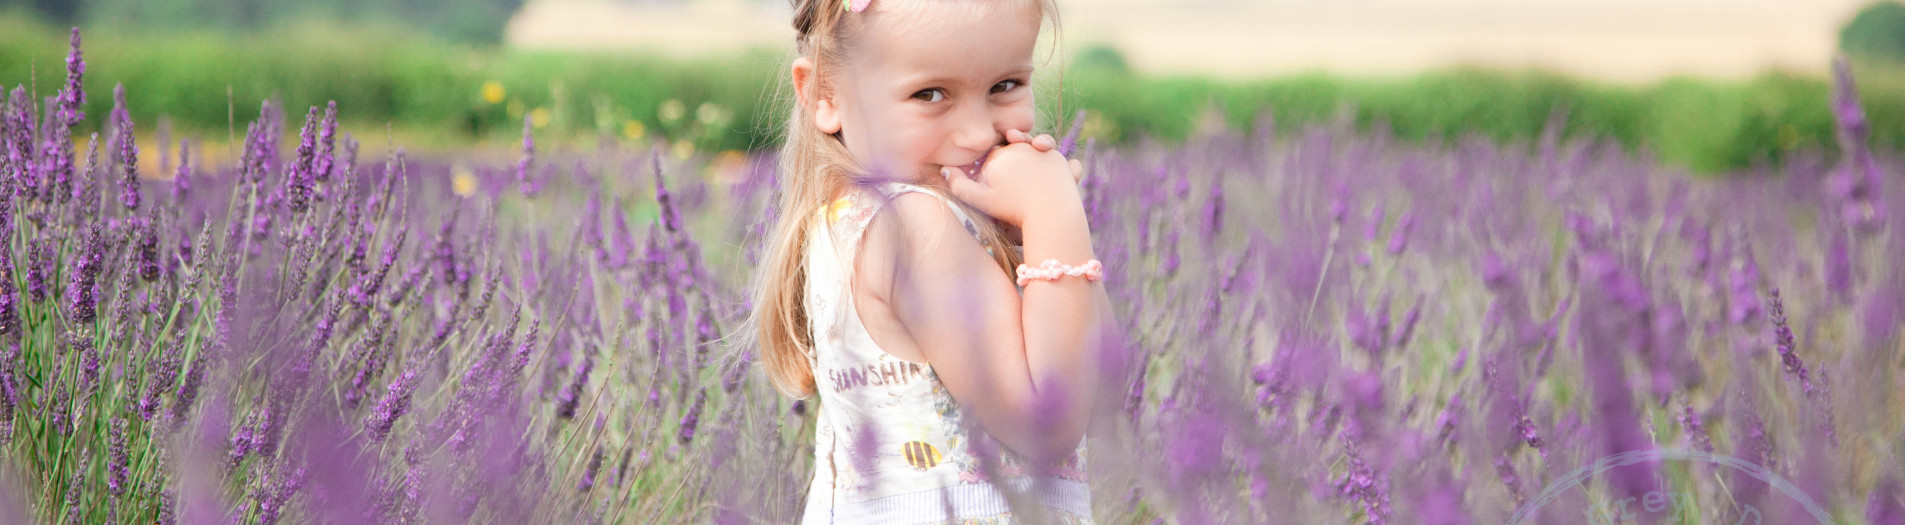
pixel 975 130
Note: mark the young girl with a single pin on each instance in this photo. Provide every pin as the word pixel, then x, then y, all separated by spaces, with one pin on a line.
pixel 954 383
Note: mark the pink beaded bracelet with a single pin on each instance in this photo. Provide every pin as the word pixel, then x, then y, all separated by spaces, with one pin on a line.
pixel 1051 270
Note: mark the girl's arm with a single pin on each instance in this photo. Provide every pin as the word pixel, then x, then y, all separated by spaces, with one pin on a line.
pixel 1025 367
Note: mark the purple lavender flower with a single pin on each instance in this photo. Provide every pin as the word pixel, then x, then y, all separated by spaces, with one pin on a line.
pixel 1855 183
pixel 10 394
pixel 271 128
pixel 395 402
pixel 1070 143
pixel 148 255
pixel 670 218
pixel 705 334
pixel 128 153
pixel 1743 304
pixel 571 394
pixel 326 158
pixel 187 395
pixel 1838 267
pixel 9 299
pixel 241 443
pixel 82 303
pixel 85 189
pixel 1364 485
pixel 692 418
pixel 1409 320
pixel 1695 428
pixel 117 472
pixel 367 285
pixel 1783 341
pixel 1168 268
pixel 56 154
pixel 348 158
pixel 1505 471
pixel 1883 505
pixel 265 439
pixel 163 374
pixel 523 183
pixel 272 497
pixel 301 178
pixel 182 179
pixel 1372 226
pixel 444 251
pixel 1399 237
pixel 73 96
pixel 520 359
pixel 167 511
pixel 260 159
pixel 616 254
pixel 17 145
pixel 369 350
pixel 75 486
pixel 1752 444
pixel 1213 216
pixel 1450 418
pixel 252 160
pixel 588 474
pixel 1609 326
pixel 1441 502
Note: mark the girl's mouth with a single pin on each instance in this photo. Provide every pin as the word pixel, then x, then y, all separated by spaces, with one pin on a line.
pixel 972 170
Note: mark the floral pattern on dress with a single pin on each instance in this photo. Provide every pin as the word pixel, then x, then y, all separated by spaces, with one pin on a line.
pixel 971 470
pixel 848 216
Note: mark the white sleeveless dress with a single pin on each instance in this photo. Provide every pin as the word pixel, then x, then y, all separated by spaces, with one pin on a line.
pixel 889 444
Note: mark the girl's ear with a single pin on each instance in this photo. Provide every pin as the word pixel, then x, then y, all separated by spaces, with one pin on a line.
pixel 826 113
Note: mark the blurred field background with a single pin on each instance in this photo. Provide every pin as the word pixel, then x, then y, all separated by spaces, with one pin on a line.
pixel 1707 85
pixel 1375 260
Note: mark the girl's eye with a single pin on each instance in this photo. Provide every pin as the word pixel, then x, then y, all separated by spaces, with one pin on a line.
pixel 930 95
pixel 1014 83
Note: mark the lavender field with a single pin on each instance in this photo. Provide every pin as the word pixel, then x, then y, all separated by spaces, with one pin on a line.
pixel 1329 326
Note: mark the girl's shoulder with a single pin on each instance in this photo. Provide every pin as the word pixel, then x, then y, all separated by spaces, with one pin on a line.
pixel 893 190
pixel 850 212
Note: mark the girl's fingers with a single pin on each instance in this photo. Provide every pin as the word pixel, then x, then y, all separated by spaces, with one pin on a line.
pixel 1078 170
pixel 1045 143
pixel 965 189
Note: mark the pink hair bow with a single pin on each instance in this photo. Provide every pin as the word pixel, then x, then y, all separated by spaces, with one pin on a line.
pixel 855 5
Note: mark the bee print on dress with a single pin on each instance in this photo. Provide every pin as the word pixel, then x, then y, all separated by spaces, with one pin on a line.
pixel 921 454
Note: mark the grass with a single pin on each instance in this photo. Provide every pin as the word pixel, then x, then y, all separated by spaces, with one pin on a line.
pixel 439 95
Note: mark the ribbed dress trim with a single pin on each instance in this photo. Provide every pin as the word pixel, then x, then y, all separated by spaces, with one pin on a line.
pixel 965 501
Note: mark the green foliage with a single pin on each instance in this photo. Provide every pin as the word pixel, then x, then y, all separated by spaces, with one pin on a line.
pixel 1703 125
pixel 60 11
pixel 465 21
pixel 1877 32
pixel 391 76
pixel 1101 57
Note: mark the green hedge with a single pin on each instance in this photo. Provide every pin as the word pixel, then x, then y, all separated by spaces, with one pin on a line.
pixel 417 84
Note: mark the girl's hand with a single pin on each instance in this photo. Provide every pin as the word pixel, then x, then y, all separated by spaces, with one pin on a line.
pixel 1045 142
pixel 1022 182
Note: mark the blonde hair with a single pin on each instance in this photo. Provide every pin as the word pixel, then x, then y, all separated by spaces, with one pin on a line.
pixel 814 166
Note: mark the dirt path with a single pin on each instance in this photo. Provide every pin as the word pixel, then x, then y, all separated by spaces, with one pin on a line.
pixel 1614 40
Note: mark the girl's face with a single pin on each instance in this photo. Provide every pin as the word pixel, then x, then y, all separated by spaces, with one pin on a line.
pixel 934 83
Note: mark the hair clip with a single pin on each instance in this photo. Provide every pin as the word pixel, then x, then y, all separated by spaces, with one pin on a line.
pixel 855 5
